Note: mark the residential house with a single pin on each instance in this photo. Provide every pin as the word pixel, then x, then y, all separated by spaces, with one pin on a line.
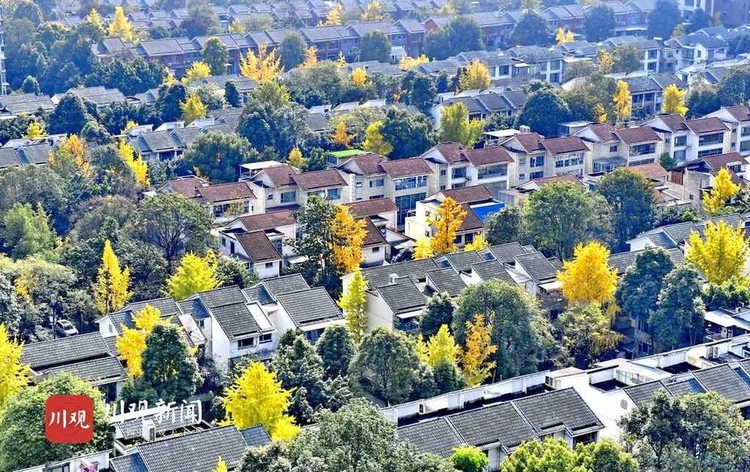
pixel 379 216
pixel 543 63
pixel 457 166
pixel 481 104
pixel 477 201
pixel 613 147
pixel 687 140
pixel 326 184
pixel 99 96
pixel 568 17
pixel 536 157
pixel 294 312
pixel 406 182
pixel 647 92
pixel 698 48
pixel 278 228
pixel 529 155
pixel 223 202
pixel 275 188
pixel 698 176
pixel 737 118
pixel 651 51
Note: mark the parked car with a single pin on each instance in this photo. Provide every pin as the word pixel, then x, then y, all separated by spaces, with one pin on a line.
pixel 65 328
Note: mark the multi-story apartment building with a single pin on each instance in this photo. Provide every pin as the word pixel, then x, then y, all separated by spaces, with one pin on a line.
pixel 737 118
pixel 687 140
pixel 612 147
pixel 286 187
pixel 536 157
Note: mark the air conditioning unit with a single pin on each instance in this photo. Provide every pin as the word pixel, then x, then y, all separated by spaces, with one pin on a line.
pixel 148 430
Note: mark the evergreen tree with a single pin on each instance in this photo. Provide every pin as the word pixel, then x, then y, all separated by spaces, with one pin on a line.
pixel 336 349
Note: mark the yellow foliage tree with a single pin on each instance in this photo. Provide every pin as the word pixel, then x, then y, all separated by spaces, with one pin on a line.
pixel 295 158
pixel 75 148
pixel 341 61
pixel 569 36
pixel 588 278
pixel 423 249
pixel 560 35
pixel 111 289
pixel 374 141
pixel 198 71
pixel 350 236
pixel 474 362
pixel 333 18
pixel 674 101
pixel 311 57
pixel 446 220
pixel 237 27
pixel 352 302
pixel 194 274
pixel 95 19
pixel 721 192
pixel 601 113
pixel 263 67
pixel 35 130
pixel 606 62
pixel 477 76
pixel 359 77
pixel 121 27
pixel 478 244
pixel 221 466
pixel 374 12
pixel 128 126
pixel 622 101
pixel 132 343
pixel 192 109
pixel 720 254
pixel 14 374
pixel 256 397
pixel 407 62
pixel 441 348
pixel 340 136
pixel 135 163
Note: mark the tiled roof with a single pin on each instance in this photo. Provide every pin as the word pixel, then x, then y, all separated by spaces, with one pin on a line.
pixel 255 436
pixel 653 171
pixel 319 179
pixel 66 350
pixel 471 221
pixel 129 463
pixel 460 261
pixel 194 452
pixel 674 122
pixel 724 381
pixel 258 247
pixel 452 152
pixel 186 186
pixel 685 387
pixel 156 141
pixel 435 436
pixel 642 134
pixel 235 320
pixel 489 270
pixel 406 167
pixel 298 306
pixel 369 164
pixel 622 260
pixel 285 284
pixel 479 427
pixel 9 158
pixel 403 296
pixel 739 112
pixel 560 407
pixel 531 142
pixel 36 153
pixel 446 280
pixel 564 145
pixel 506 252
pixel 104 368
pixel 723 160
pixel 471 194
pixel 268 220
pixel 220 297
pixel 281 175
pixel 644 392
pixel 373 236
pixel 605 132
pixel 537 266
pixel 570 178
pixel 379 276
pixel 486 156
pixel 373 207
pixel 133 428
pixel 231 191
pixel 706 125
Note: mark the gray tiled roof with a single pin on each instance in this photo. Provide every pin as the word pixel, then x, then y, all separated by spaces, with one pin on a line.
pixel 105 368
pixel 724 381
pixel 133 428
pixel 622 260
pixel 488 270
pixel 235 320
pixel 197 452
pixel 479 427
pixel 379 276
pixel 285 284
pixel 446 280
pixel 64 350
pixel 221 296
pixel 166 305
pixel 435 436
pixel 403 296
pixel 129 463
pixel 643 392
pixel 537 266
pixel 309 306
pixel 36 153
pixel 9 158
pixel 255 436
pixel 560 407
pixel 506 252
pixel 462 261
pixel 685 387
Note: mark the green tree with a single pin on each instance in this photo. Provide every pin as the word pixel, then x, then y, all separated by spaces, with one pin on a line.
pixel 469 459
pixel 561 215
pixel 504 226
pixel 729 294
pixel 531 30
pixel 678 320
pixel 375 46
pixel 22 440
pixel 217 156
pixel 315 220
pixel 519 329
pixel 292 50
pixel 631 197
pixel 663 19
pixel 69 116
pixel 168 101
pixel 233 272
pixel 201 20
pixel 419 90
pixel 173 224
pixel 599 23
pixel 586 334
pixel 702 101
pixel 11 308
pixel 554 454
pixel 232 94
pixel 627 59
pixel 386 365
pixel 409 134
pixel 734 88
pixel 300 370
pixel 437 312
pixel 26 231
pixel 543 110
pixel 639 288
pixel 215 55
pixel 30 85
pixel 456 127
pixel 694 432
pixel 36 185
pixel 460 35
pixel 336 349
pixel 129 75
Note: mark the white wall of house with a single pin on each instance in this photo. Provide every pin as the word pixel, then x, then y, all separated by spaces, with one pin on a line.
pixel 267 269
pixel 374 255
pixel 220 348
pixel 379 314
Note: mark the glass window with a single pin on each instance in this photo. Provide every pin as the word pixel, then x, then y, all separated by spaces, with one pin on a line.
pixel 745 146
pixel 269 265
pixel 536 161
pixel 641 149
pixel 265 338
pixel 377 183
pixel 709 139
pixel 246 343
pixel 745 130
pixel 334 193
pixel 270 196
pixel 405 203
pixel 459 173
pixel 680 140
pixel 410 182
pixel 537 175
pixel 613 148
pixel 710 152
pixel 376 249
pixel 289 197
pixel 492 171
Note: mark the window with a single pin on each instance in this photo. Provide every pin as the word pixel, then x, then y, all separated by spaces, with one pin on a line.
pixel 709 152
pixel 522 161
pixel 680 140
pixel 641 162
pixel 469 238
pixel 492 171
pixel 265 338
pixel 223 242
pixel 405 203
pixel 569 161
pixel 358 185
pixel 289 197
pixel 709 139
pixel 642 149
pixel 377 183
pixel 269 265
pixel 613 148
pixel 745 131
pixel 410 182
pixel 376 196
pixel 443 172
pixel 537 175
pixel 652 54
pixel 679 156
pixel 459 173
pixel 334 194
pixel 245 343
pixel 376 249
pixel 536 161
pixel 521 177
pixel 745 146
pixel 270 196
pixel 231 247
pixel 202 323
pixel 313 335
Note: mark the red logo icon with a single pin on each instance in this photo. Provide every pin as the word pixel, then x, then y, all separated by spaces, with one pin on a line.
pixel 69 419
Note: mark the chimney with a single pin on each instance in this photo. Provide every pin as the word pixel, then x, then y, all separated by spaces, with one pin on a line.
pixel 392 279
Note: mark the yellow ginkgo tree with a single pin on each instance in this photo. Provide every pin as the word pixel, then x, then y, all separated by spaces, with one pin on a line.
pixel 132 342
pixel 135 163
pixel 112 286
pixel 350 235
pixel 588 277
pixel 194 274
pixel 340 135
pixel 446 221
pixel 262 67
pixel 121 26
pixel 475 360
pixel 353 302
pixel 439 349
pixel 722 191
pixel 14 374
pixel 720 254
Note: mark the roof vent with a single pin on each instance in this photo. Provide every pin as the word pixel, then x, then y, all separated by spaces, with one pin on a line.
pixel 524 129
pixel 392 278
